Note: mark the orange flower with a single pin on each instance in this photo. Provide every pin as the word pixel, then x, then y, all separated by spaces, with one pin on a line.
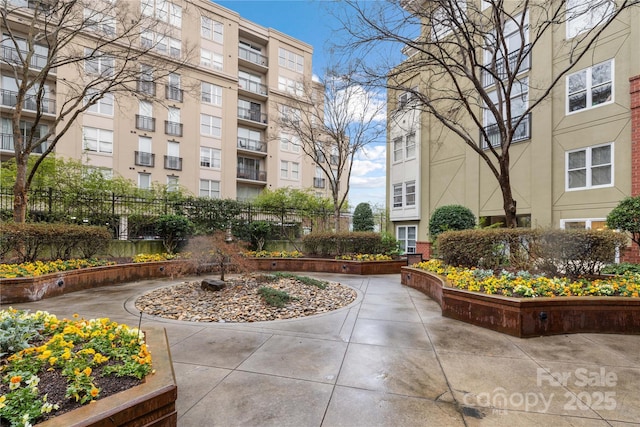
pixel 16 379
pixel 94 392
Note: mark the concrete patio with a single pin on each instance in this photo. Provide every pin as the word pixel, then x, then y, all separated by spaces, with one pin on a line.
pixel 389 359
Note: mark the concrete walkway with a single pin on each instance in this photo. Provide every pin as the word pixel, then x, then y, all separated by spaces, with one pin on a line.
pixel 389 359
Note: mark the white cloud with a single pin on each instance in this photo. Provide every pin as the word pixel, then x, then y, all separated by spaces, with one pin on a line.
pixel 363 167
pixel 368 182
pixel 373 153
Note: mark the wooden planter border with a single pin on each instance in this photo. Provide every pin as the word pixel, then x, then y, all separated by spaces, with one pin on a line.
pixel 321 265
pixel 529 317
pixel 151 403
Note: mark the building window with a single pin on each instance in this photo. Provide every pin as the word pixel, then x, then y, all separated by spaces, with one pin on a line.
pixel 590 87
pixel 397 149
pixel 172 183
pixel 210 157
pixel 445 17
pixel 290 60
pixel 410 193
pixel 583 224
pixel 97 140
pixel 397 195
pixel 163 11
pixel 410 148
pixel 583 15
pixel 211 94
pixel 284 169
pixel 210 125
pixel 211 59
pixel 295 170
pixel 590 167
pixel 103 105
pixel 406 236
pixel 144 181
pixel 175 17
pixel 209 188
pixel 211 30
pixel 519 104
pixel 290 86
pixel 99 22
pixel 97 62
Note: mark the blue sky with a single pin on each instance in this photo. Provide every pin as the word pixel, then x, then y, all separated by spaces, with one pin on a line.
pixel 311 21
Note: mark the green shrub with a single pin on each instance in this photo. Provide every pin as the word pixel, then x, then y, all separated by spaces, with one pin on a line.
pixel 363 218
pixel 173 229
pixel 449 218
pixel 622 268
pixel 336 244
pixel 260 232
pixel 626 217
pixel 274 297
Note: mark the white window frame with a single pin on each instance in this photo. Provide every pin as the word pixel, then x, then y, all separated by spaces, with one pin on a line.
pixel 589 87
pixel 147 176
pixel 175 15
pixel 103 140
pixel 290 60
pixel 212 190
pixel 284 169
pixel 211 94
pixel 100 63
pixel 173 183
pixel 210 29
pixel 410 148
pixel 410 197
pixel 588 168
pixel 210 158
pixel 103 106
pixel 398 150
pixel 582 16
pixel 588 222
pixel 397 195
pixel 212 124
pixel 295 171
pixel 404 242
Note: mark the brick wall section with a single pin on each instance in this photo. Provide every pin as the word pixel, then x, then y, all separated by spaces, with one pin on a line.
pixel 424 248
pixel 632 254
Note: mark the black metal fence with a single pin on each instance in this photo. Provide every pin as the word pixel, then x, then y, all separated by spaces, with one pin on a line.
pixel 131 217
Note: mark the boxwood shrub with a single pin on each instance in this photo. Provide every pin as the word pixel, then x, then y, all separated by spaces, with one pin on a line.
pixel 334 244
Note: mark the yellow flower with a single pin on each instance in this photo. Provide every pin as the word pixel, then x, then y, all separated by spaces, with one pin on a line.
pixel 94 392
pixel 2 399
pixel 87 371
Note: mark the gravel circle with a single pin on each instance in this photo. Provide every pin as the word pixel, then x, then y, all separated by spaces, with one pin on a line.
pixel 239 300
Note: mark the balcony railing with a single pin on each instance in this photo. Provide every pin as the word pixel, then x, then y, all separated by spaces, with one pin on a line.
pixel 252 174
pixel 252 56
pixel 146 87
pixel 37 62
pixel 173 163
pixel 145 123
pixel 255 116
pixel 521 133
pixel 318 182
pixel 173 128
pixel 173 93
pixel 6 144
pixel 251 86
pixel 10 99
pixel 501 68
pixel 145 159
pixel 252 144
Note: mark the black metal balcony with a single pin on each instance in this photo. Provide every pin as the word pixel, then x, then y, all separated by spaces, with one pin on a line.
pixel 173 93
pixel 318 182
pixel 252 145
pixel 173 163
pixel 501 66
pixel 252 56
pixel 252 174
pixel 521 133
pixel 145 159
pixel 173 128
pixel 10 99
pixel 147 87
pixel 145 123
pixel 254 116
pixel 251 86
pixel 10 55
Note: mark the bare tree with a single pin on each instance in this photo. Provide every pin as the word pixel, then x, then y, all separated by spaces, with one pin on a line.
pixel 467 62
pixel 65 56
pixel 331 121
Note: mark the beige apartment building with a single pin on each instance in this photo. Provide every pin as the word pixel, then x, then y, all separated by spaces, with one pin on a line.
pixel 210 126
pixel 573 158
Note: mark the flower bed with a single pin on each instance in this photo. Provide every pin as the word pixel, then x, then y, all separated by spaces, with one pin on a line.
pixel 324 265
pixel 38 268
pixel 57 365
pixel 528 317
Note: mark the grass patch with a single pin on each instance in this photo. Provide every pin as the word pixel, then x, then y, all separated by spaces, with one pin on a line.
pixel 274 297
pixel 302 279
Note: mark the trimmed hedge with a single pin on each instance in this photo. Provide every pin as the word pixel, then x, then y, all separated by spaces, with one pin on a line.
pixel 570 252
pixel 28 241
pixel 335 244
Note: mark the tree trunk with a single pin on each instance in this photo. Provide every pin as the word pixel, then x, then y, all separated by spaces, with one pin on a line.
pixel 508 203
pixel 336 219
pixel 20 190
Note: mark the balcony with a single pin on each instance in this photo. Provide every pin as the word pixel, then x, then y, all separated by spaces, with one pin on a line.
pixel 173 93
pixel 252 145
pixel 521 133
pixel 145 159
pixel 145 123
pixel 146 87
pixel 252 174
pixel 173 128
pixel 252 115
pixel 318 183
pixel 11 56
pixel 6 144
pixel 173 163
pixel 10 99
pixel 501 66
pixel 253 57
pixel 251 86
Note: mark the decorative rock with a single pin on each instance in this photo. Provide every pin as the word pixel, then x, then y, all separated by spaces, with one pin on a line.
pixel 213 285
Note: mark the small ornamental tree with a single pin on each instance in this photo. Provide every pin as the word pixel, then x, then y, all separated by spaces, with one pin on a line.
pixel 450 217
pixel 363 218
pixel 626 217
pixel 218 251
pixel 173 229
